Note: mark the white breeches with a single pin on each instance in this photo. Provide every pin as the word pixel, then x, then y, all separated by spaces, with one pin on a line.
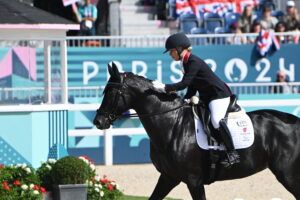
pixel 218 108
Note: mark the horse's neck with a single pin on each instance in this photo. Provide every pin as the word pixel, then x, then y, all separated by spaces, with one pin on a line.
pixel 152 105
pixel 158 118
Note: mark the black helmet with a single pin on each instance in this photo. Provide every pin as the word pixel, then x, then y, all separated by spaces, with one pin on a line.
pixel 177 40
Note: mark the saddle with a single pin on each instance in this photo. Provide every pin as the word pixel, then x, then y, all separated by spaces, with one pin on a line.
pixel 202 113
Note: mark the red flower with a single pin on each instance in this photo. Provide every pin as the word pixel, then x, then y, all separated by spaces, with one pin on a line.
pixel 104 180
pixel 36 187
pixel 1 166
pixel 110 187
pixel 5 186
pixel 89 159
pixel 43 190
pixel 17 183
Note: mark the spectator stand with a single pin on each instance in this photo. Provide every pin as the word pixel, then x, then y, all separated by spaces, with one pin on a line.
pixel 187 22
pixel 212 21
pixel 230 18
pixel 199 40
pixel 220 30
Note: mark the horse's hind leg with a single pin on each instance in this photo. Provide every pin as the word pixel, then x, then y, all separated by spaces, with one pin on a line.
pixel 292 184
pixel 163 187
pixel 290 179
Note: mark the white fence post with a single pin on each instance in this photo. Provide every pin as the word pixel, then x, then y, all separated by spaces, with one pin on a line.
pixel 108 148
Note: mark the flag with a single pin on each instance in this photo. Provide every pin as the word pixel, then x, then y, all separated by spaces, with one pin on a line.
pixel 266 42
pixel 199 7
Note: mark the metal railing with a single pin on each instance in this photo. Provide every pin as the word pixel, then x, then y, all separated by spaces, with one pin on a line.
pixel 265 88
pixel 35 95
pixel 159 41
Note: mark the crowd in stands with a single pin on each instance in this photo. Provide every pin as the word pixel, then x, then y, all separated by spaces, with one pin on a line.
pixel 251 19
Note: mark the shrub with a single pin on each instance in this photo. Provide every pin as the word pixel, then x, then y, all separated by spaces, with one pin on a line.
pixel 51 171
pixel 70 170
pixel 44 174
pixel 20 182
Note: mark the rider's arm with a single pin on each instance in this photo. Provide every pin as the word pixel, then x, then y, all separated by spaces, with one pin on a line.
pixel 186 80
pixel 190 92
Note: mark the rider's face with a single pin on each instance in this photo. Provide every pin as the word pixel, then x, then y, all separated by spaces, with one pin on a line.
pixel 174 54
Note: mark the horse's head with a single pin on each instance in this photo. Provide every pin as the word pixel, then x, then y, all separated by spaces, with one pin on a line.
pixel 116 99
pixel 126 91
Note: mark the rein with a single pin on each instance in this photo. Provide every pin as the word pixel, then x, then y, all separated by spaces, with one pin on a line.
pixel 153 114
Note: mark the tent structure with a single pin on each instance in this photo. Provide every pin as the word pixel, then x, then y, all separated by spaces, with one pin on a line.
pixel 20 21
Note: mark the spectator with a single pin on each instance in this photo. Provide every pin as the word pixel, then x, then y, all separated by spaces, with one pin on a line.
pixel 246 19
pixel 284 87
pixel 255 28
pixel 88 15
pixel 291 19
pixel 268 21
pixel 280 28
pixel 238 38
pixel 172 10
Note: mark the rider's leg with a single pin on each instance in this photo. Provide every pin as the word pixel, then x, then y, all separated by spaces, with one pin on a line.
pixel 232 155
pixel 218 109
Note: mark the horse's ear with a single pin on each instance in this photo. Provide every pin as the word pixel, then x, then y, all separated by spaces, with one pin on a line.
pixel 110 70
pixel 115 70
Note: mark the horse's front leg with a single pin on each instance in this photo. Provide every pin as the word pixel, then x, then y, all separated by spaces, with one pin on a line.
pixel 163 187
pixel 196 190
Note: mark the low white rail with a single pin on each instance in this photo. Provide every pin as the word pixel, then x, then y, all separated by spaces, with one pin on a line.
pixel 108 138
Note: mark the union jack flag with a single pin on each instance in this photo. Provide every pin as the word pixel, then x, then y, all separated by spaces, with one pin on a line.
pixel 266 42
pixel 199 7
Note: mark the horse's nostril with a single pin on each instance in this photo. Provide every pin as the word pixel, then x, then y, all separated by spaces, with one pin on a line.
pixel 95 122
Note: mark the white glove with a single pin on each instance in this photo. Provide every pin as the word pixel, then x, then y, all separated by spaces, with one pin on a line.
pixel 158 86
pixel 194 100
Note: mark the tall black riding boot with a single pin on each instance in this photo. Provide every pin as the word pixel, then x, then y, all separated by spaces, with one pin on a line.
pixel 232 155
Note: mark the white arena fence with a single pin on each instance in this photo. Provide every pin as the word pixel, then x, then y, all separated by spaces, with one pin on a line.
pixel 35 95
pixel 159 40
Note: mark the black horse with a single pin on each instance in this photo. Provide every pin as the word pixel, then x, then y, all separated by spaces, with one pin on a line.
pixel 173 147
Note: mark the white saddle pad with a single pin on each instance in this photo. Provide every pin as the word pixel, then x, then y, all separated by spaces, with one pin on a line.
pixel 241 129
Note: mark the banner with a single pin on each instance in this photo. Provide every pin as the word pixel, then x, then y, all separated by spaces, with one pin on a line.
pixel 232 63
pixel 199 7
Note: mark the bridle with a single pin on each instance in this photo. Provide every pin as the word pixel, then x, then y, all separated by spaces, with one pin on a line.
pixel 113 115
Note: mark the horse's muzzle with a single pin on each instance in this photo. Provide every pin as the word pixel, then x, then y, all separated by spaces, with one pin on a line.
pixel 101 122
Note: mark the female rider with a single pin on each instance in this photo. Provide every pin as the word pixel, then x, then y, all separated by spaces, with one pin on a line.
pixel 199 77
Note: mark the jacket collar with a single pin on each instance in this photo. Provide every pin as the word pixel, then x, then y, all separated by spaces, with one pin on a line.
pixel 186 57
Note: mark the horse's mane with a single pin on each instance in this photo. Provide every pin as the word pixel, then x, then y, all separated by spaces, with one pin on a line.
pixel 147 84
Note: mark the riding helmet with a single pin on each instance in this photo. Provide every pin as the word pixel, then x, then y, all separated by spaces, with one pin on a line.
pixel 177 40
